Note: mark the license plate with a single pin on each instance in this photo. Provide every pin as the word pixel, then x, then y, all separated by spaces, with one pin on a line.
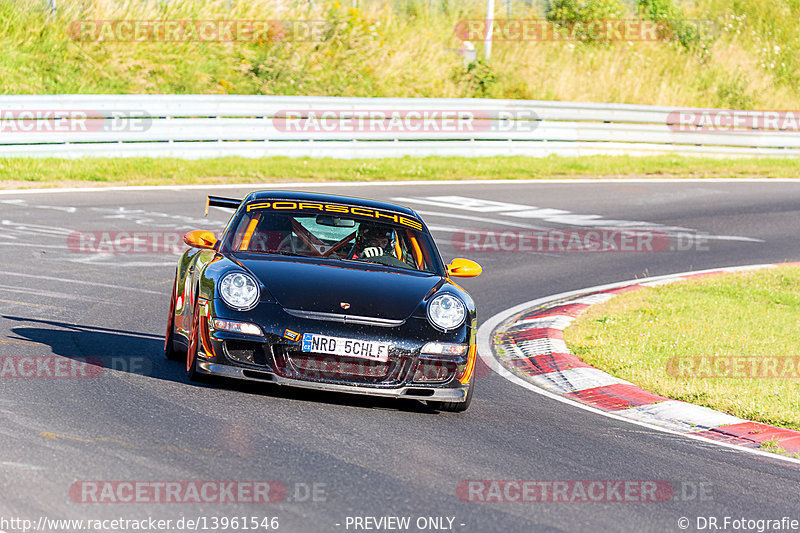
pixel 372 350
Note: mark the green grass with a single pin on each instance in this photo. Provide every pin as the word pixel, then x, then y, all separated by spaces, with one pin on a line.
pixel 25 173
pixel 399 48
pixel 658 338
pixel 402 48
pixel 773 446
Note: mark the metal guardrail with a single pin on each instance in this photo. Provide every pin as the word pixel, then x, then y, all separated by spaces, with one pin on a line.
pixel 256 126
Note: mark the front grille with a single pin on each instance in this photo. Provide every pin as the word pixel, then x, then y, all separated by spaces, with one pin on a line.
pixel 293 363
pixel 336 367
pixel 251 353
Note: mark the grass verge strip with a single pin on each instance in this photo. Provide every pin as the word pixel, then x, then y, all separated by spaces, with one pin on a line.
pixel 728 342
pixel 30 172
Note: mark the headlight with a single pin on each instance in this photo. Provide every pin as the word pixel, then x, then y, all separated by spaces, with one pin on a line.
pixel 239 291
pixel 237 327
pixel 438 348
pixel 446 312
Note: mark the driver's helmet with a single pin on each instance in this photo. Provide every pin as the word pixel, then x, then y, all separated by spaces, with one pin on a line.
pixel 369 233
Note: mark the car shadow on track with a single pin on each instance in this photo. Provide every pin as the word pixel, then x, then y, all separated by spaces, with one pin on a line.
pixel 107 348
pixel 143 354
pixel 330 398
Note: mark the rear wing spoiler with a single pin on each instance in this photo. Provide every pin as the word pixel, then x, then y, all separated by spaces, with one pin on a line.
pixel 219 201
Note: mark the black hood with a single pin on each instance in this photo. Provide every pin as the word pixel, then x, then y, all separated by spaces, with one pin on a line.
pixel 301 285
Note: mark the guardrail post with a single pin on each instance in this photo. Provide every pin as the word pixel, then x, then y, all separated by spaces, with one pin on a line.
pixel 487 42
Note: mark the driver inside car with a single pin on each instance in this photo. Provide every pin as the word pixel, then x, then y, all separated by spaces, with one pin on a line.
pixel 373 240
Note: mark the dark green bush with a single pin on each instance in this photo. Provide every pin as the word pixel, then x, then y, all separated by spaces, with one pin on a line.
pixel 693 35
pixel 572 17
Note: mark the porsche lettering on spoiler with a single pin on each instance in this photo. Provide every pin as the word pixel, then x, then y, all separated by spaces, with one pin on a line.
pixel 337 208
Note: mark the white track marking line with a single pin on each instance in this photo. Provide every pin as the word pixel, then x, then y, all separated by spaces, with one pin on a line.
pixel 28 304
pixel 576 380
pixel 558 216
pixel 31 245
pixel 91 259
pixel 559 322
pixel 476 205
pixel 543 346
pixel 25 466
pixel 731 238
pixel 27 229
pixel 79 282
pixel 126 264
pixel 22 203
pixel 682 416
pixel 52 294
pixel 748 268
pixel 547 214
pixel 96 261
pixel 660 282
pixel 592 299
pixel 482 219
pixel 489 358
pixel 444 229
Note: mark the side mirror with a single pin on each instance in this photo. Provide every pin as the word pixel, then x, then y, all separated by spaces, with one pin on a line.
pixel 200 239
pixel 463 268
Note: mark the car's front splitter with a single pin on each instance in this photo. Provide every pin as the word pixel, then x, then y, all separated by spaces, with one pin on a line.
pixel 412 392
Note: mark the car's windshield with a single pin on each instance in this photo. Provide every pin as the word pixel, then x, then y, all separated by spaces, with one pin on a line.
pixel 333 236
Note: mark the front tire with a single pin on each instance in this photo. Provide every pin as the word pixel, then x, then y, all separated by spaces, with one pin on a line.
pixel 455 407
pixel 194 341
pixel 194 345
pixel 169 339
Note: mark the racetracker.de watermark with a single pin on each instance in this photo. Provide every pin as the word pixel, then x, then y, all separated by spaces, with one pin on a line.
pixel 734 367
pixel 591 241
pixel 58 367
pixel 408 120
pixel 73 121
pixel 209 492
pixel 581 491
pixel 48 367
pixel 333 368
pixel 598 29
pixel 126 242
pixel 191 30
pixel 196 491
pixel 724 120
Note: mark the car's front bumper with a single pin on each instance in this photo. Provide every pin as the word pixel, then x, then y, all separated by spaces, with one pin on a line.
pixel 410 391
pixel 273 358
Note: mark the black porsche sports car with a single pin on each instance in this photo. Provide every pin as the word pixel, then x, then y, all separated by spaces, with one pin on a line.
pixel 325 292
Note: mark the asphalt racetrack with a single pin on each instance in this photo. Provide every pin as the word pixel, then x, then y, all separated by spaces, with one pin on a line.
pixel 349 463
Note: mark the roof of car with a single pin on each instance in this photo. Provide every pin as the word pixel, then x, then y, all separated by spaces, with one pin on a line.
pixel 333 198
